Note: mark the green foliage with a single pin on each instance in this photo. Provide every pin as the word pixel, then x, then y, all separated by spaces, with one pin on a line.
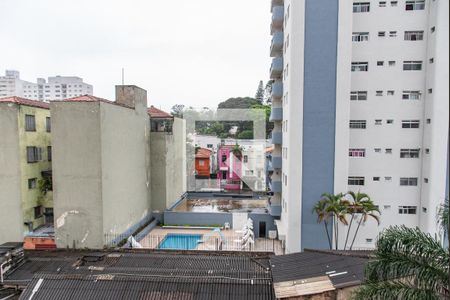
pixel 409 264
pixel 259 96
pixel 246 135
pixel 178 110
pixel 238 103
pixel 45 184
pixel 443 216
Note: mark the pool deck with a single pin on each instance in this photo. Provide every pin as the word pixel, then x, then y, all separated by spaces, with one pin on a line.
pixel 212 240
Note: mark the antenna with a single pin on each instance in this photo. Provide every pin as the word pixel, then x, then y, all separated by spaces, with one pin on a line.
pixel 123 76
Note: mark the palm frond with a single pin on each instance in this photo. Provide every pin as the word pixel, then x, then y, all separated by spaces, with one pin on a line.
pixel 394 290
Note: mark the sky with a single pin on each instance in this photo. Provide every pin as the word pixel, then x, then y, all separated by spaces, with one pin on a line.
pixel 192 52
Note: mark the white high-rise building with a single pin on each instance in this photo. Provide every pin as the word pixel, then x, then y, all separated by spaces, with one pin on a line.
pixel 360 102
pixel 56 88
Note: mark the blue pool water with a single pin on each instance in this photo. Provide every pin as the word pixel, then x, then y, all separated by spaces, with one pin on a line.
pixel 180 241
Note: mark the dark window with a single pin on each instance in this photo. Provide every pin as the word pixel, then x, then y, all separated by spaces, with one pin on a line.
pixel 409 153
pixel 407 210
pixel 32 183
pixel 38 211
pixel 30 123
pixel 245 159
pixel 224 158
pixel 410 124
pixel 415 5
pixel 48 125
pixel 358 124
pixel 49 153
pixel 412 65
pixel 408 181
pixel 356 180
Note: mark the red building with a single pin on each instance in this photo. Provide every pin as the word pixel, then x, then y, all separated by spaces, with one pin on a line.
pixel 203 162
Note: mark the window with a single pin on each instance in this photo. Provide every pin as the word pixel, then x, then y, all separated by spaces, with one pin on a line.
pixel 30 123
pixel 210 146
pixel 424 209
pixel 245 158
pixel 390 93
pixel 394 3
pixel 407 210
pixel 414 35
pixel 387 178
pixel 34 154
pixel 409 153
pixel 390 121
pixel 48 125
pixel 380 63
pixel 38 211
pixel 49 153
pixel 360 37
pixel 360 66
pixel 433 29
pixel 358 95
pixel 224 158
pixel 410 124
pixel 376 179
pixel 369 240
pixel 381 33
pixel 428 121
pixel 378 122
pixel 382 4
pixel 391 63
pixel 387 207
pixel 415 5
pixel 357 124
pixel 32 183
pixel 388 151
pixel 411 95
pixel 430 91
pixel 356 180
pixel 408 181
pixel 379 93
pixel 201 162
pixel 427 151
pixel 431 60
pixel 425 180
pixel 360 7
pixel 392 33
pixel 412 65
pixel 357 152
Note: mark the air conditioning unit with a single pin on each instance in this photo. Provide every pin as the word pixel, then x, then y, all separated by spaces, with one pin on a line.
pixel 272 234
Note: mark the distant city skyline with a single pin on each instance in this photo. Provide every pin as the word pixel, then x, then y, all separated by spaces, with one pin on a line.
pixel 195 53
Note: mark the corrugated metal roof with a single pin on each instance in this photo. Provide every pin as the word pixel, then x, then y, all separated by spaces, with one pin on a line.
pixel 343 270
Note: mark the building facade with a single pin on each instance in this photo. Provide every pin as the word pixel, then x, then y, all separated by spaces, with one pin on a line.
pixel 360 103
pixel 101 165
pixel 55 88
pixel 25 173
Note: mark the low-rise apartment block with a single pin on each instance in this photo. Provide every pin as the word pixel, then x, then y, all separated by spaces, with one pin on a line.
pixel 26 167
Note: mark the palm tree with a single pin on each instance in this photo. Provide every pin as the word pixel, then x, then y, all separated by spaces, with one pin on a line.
pixel 335 208
pixel 443 218
pixel 357 203
pixel 323 216
pixel 237 151
pixel 409 264
pixel 366 209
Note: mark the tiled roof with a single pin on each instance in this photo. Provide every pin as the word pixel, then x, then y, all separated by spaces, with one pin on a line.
pixel 343 270
pixel 144 275
pixel 156 113
pixel 23 101
pixel 203 153
pixel 89 98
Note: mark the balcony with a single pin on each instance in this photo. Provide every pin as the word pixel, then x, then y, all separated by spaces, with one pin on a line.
pixel 277 89
pixel 276 46
pixel 276 114
pixel 275 186
pixel 277 18
pixel 276 69
pixel 277 137
pixel 276 3
pixel 275 162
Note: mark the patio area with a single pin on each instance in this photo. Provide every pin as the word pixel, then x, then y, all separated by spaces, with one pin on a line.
pixel 226 240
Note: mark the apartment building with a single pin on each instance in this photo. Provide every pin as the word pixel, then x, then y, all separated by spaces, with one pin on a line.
pixel 360 102
pixel 25 173
pixel 101 165
pixel 55 88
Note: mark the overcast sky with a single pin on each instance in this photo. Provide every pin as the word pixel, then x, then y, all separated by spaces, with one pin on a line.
pixel 194 52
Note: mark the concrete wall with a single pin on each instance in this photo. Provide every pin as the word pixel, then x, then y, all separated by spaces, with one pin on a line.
pixel 11 219
pixel 168 166
pixel 196 218
pixel 77 186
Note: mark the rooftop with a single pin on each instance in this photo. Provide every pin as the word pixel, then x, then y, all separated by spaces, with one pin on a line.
pixel 23 101
pixel 156 113
pixel 89 98
pixel 203 153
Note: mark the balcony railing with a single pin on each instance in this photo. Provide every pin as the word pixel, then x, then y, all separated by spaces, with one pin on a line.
pixel 276 47
pixel 276 3
pixel 276 114
pixel 275 210
pixel 275 185
pixel 276 69
pixel 277 89
pixel 277 137
pixel 276 162
pixel 277 17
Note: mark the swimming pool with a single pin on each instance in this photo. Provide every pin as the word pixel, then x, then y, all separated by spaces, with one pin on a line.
pixel 180 241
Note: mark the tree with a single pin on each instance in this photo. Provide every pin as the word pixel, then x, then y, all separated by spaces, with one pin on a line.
pixel 323 216
pixel 238 103
pixel 259 96
pixel 360 204
pixel 443 218
pixel 408 264
pixel 178 110
pixel 268 92
pixel 246 135
pixel 367 210
pixel 334 208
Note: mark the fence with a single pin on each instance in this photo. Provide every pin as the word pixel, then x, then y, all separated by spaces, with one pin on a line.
pixel 197 241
